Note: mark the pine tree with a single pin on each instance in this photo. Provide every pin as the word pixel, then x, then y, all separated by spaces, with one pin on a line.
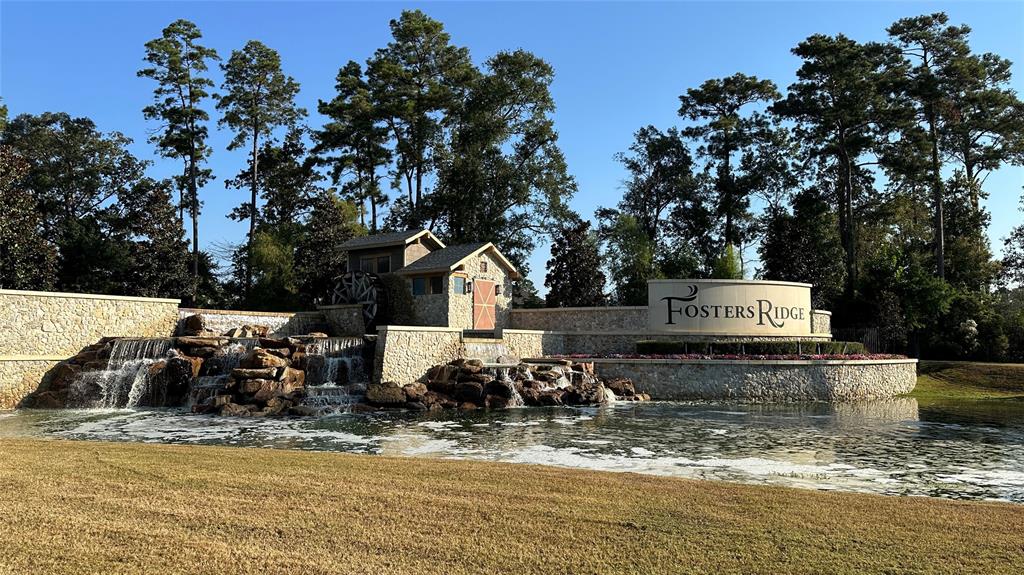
pixel 258 99
pixel 574 277
pixel 179 64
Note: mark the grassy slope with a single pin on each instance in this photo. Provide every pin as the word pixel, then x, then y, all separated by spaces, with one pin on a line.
pixel 89 507
pixel 939 380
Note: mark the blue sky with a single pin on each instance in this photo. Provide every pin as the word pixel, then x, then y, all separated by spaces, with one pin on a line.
pixel 619 66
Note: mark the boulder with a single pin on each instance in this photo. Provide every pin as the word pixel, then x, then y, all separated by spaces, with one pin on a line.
pixel 467 406
pixel 258 373
pixel 44 400
pixel 292 380
pixel 190 342
pixel 62 376
pixel 500 389
pixel 469 391
pixel 260 358
pixel 415 391
pixel 236 410
pixel 496 402
pixel 194 325
pixel 270 343
pixel 386 393
pixel 621 387
pixel 318 334
pixel 303 411
pixel 443 373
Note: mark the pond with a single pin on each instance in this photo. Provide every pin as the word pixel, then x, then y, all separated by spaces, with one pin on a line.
pixel 896 447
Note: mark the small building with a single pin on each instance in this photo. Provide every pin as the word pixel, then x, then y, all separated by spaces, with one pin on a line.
pixel 466 286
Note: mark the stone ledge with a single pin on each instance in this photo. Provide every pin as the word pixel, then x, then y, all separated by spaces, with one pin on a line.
pixel 68 295
pixel 198 311
pixel 720 281
pixel 33 357
pixel 667 333
pixel 584 309
pixel 743 361
pixel 414 328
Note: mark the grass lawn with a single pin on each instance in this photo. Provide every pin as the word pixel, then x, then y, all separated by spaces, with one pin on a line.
pixel 959 380
pixel 90 507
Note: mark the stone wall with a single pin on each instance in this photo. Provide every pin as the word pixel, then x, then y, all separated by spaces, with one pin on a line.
pixel 431 309
pixel 534 343
pixel 615 319
pixel 625 318
pixel 20 377
pixel 281 324
pixel 405 353
pixel 821 321
pixel 766 381
pixel 61 324
pixel 345 319
pixel 40 329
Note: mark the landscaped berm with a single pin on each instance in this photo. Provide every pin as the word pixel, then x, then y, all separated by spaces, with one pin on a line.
pixel 92 507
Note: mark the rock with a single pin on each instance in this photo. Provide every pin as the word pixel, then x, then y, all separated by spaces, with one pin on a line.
pixel 268 390
pixel 62 376
pixel 443 387
pixel 586 367
pixel 303 411
pixel 85 356
pixel 248 331
pixel 474 362
pixel 468 369
pixel 481 378
pixel 496 402
pixel 299 360
pixel 281 352
pixel 190 342
pixel 260 358
pixel 386 393
pixel 469 391
pixel 443 373
pixel 621 386
pixel 45 400
pixel 507 359
pixel 269 343
pixel 318 334
pixel 415 391
pixel 500 389
pixel 467 406
pixel 292 380
pixel 236 410
pixel 416 406
pixel 194 325
pixel 260 373
pixel 363 408
pixel 551 397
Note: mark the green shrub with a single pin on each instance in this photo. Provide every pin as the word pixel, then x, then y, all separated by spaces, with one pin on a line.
pixel 652 347
pixel 841 348
pixel 399 306
pixel 775 348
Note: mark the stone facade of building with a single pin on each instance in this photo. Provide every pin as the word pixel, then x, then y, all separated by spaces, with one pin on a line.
pixel 405 353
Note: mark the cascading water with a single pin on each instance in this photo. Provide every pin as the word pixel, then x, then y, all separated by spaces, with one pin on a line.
pixel 503 373
pixel 488 351
pixel 336 360
pixel 217 369
pixel 125 381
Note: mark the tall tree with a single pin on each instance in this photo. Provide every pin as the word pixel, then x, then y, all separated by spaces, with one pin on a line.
pixel 936 48
pixel 318 257
pixel 359 140
pixel 178 63
pixel 258 98
pixel 574 277
pixel 415 82
pixel 844 102
pixel 27 258
pixel 631 258
pixel 727 131
pixel 503 177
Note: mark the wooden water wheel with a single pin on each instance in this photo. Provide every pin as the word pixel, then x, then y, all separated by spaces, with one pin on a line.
pixel 361 288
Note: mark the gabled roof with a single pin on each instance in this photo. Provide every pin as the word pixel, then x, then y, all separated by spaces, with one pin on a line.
pixel 389 239
pixel 449 258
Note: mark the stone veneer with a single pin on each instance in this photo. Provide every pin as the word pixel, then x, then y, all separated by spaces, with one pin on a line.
pixel 405 353
pixel 344 319
pixel 281 324
pixel 534 343
pixel 61 324
pixel 614 319
pixel 43 328
pixel 764 381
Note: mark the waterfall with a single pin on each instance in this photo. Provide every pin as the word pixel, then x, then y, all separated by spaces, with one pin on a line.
pixel 125 381
pixel 336 360
pixel 488 351
pixel 503 373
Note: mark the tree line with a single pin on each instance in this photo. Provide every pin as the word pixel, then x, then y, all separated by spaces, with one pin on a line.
pixel 415 136
pixel 868 174
pixel 864 177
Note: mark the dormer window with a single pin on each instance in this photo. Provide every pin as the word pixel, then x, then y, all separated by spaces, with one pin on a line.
pixel 375 264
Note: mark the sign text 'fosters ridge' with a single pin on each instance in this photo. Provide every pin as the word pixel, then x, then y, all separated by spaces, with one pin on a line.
pixel 729 307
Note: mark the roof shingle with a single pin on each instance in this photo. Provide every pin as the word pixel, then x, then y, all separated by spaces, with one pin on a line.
pixel 442 259
pixel 387 239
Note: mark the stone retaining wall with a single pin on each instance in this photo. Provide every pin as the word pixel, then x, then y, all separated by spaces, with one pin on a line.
pixel 533 343
pixel 615 319
pixel 764 381
pixel 281 324
pixel 61 324
pixel 345 319
pixel 405 353
pixel 40 329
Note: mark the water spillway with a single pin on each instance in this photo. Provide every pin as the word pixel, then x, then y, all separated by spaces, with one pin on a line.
pixel 125 381
pixel 336 361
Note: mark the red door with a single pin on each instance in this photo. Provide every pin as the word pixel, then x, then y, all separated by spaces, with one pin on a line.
pixel 483 304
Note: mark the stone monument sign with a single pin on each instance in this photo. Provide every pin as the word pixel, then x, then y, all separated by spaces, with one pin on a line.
pixel 729 307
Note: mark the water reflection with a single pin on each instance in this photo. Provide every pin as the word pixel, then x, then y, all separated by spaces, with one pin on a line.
pixel 894 447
